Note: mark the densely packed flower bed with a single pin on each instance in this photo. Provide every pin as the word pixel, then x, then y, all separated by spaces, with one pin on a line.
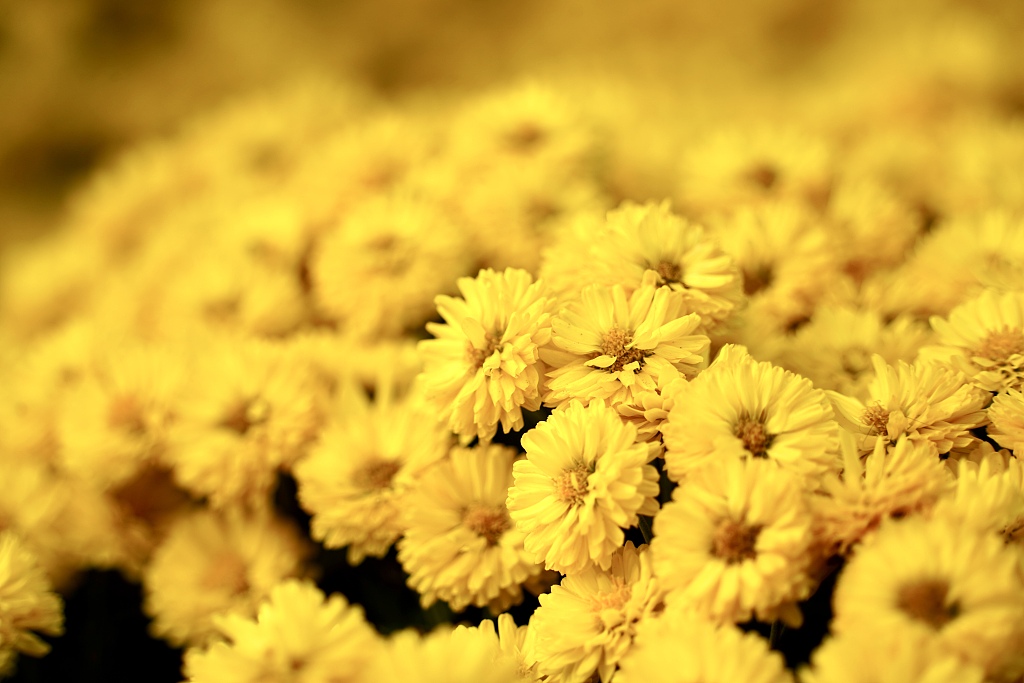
pixel 683 437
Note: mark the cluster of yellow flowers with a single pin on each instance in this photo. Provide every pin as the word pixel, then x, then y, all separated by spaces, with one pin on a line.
pixel 467 335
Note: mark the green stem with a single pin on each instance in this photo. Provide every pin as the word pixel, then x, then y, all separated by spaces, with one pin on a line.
pixel 646 529
pixel 776 634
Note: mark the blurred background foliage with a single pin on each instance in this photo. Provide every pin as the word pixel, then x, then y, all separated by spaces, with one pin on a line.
pixel 81 79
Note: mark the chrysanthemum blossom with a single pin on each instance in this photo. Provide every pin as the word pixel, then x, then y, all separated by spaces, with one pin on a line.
pixel 516 644
pixel 922 401
pixel 1007 416
pixel 584 479
pixel 906 478
pixel 735 543
pixel 940 584
pixel 740 408
pixel 214 563
pixel 683 648
pixel 366 459
pixel 27 603
pixel 460 544
pixel 299 635
pixel 484 367
pixel 872 656
pixel 608 348
pixel 459 655
pixel 984 339
pixel 586 624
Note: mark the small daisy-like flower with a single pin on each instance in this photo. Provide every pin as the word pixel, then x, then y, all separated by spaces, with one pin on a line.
pixel 212 563
pixel 922 401
pixel 459 655
pixel 484 365
pixel 937 583
pixel 907 478
pixel 27 603
pixel 872 656
pixel 254 409
pixel 682 648
pixel 1007 416
pixel 611 349
pixel 586 624
pixel 460 544
pixel 740 408
pixel 734 543
pixel 584 479
pixel 648 412
pixel 640 244
pixel 984 339
pixel 378 271
pixel 298 635
pixel 834 349
pixel 366 459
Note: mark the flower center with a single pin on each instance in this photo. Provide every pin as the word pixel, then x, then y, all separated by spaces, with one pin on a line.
pixel 246 415
pixel 226 571
pixel 877 418
pixel 525 137
pixel 763 175
pixel 476 356
pixel 487 521
pixel 669 273
pixel 757 279
pixel 1014 532
pixel 754 436
pixel 376 475
pixel 614 344
pixel 614 598
pixel 926 601
pixel 571 486
pixel 1000 345
pixel 125 414
pixel 735 541
pixel 856 361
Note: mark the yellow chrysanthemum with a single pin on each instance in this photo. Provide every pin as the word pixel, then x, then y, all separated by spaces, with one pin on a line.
pixel 586 624
pixel 735 166
pixel 27 603
pixel 460 655
pixel 834 349
pixel 584 479
pixel 298 635
pixel 682 648
pixel 484 366
pixel 872 656
pixel 377 272
pixel 907 478
pixel 254 409
pixel 938 583
pixel 984 339
pixel 607 348
pixel 735 543
pixel 922 401
pixel 639 244
pixel 355 478
pixel 739 408
pixel 213 563
pixel 460 544
pixel 1007 416
pixel 516 643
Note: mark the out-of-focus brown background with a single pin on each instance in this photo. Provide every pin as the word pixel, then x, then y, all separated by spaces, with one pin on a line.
pixel 81 79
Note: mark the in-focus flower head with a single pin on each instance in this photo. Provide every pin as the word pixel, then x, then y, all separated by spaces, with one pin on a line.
pixel 483 367
pixel 460 544
pixel 1007 416
pixel 586 624
pixel 923 401
pixel 613 349
pixel 584 479
pixel 740 408
pixel 984 339
pixel 734 543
